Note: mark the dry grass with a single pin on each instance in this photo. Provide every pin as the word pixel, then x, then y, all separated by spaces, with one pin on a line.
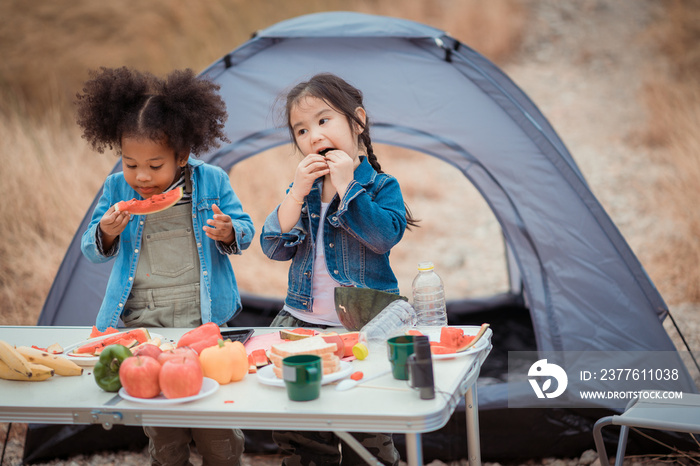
pixel 672 95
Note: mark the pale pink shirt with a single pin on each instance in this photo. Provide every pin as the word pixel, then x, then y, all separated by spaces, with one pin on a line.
pixel 323 311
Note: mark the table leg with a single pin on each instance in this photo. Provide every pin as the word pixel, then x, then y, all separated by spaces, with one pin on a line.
pixel 473 441
pixel 357 446
pixel 414 450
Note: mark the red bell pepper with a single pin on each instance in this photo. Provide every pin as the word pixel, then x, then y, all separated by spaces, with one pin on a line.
pixel 201 337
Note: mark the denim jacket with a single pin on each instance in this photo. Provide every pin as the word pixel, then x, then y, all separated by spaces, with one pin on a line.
pixel 219 296
pixel 358 234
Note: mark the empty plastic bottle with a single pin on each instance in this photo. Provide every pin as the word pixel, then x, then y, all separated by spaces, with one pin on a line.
pixel 393 320
pixel 429 297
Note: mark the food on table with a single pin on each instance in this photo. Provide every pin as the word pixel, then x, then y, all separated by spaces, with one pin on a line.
pixel 14 360
pixel 225 362
pixel 139 375
pixel 60 365
pixel 26 363
pixel 97 333
pixel 106 370
pixel 338 340
pixel 453 339
pixel 297 333
pixel 153 204
pixel 312 345
pixel 129 339
pixel 178 353
pixel 180 377
pixel 147 349
pixel 201 337
pixel 350 339
pixel 259 357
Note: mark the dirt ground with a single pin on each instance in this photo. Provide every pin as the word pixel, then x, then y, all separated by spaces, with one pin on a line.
pixel 575 69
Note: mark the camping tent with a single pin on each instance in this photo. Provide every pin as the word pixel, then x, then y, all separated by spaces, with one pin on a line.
pixel 572 275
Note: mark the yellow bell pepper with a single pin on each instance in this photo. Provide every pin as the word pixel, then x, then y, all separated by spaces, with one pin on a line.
pixel 222 361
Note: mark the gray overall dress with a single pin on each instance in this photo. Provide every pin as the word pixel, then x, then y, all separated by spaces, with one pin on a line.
pixel 165 293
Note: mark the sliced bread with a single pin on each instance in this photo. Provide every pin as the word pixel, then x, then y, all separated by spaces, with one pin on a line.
pixel 310 345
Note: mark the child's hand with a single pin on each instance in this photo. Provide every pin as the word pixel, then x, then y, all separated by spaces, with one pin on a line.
pixel 113 223
pixel 221 227
pixel 342 170
pixel 311 167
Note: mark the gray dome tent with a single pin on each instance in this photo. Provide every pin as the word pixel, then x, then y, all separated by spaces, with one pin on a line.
pixel 568 263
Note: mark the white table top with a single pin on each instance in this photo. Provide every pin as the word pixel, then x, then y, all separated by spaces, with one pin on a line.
pixel 382 405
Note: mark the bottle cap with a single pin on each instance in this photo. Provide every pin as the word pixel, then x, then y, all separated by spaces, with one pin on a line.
pixel 425 266
pixel 360 351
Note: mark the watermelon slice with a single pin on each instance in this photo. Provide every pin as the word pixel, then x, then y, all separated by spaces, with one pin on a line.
pixel 472 340
pixel 259 357
pixel 297 333
pixel 151 205
pixel 138 335
pixel 96 333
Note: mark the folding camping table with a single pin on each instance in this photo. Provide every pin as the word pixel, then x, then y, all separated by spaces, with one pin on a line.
pixel 380 405
pixel 678 415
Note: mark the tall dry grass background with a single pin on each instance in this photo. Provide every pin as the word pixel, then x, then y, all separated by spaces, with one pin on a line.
pixel 672 94
pixel 49 176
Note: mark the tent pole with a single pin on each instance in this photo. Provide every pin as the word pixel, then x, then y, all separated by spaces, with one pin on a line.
pixel 683 338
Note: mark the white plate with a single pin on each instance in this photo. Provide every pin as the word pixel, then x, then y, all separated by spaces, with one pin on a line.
pixel 209 386
pixel 267 376
pixel 480 345
pixel 89 361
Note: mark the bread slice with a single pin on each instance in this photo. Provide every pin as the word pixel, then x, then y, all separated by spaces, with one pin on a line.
pixel 329 366
pixel 311 345
pixel 276 359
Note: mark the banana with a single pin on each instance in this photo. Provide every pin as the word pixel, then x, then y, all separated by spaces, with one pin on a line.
pixel 37 373
pixel 14 360
pixel 59 364
pixel 41 372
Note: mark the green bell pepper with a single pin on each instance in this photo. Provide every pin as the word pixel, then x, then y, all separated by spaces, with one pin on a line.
pixel 106 370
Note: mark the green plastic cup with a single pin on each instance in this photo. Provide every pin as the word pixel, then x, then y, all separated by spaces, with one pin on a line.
pixel 399 349
pixel 302 375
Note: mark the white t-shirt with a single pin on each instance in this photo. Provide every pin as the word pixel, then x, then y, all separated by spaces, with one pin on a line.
pixel 323 290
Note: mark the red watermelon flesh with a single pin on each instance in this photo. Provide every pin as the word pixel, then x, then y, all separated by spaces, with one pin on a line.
pixel 135 336
pixel 151 205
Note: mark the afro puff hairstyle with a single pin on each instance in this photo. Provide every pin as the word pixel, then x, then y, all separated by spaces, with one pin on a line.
pixel 182 110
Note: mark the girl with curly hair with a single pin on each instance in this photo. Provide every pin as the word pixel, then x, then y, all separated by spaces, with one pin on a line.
pixel 171 267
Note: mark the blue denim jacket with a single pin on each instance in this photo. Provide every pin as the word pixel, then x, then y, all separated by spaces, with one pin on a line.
pixel 358 234
pixel 219 296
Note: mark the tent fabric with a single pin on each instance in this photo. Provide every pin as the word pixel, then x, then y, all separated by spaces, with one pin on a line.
pixel 568 263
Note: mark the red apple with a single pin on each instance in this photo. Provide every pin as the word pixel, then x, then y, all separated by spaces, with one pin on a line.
pixel 179 353
pixel 139 376
pixel 147 349
pixel 338 340
pixel 180 377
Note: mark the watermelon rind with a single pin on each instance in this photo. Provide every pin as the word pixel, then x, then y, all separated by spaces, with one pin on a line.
pixel 152 205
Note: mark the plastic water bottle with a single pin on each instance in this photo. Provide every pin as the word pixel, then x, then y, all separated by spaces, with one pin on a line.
pixel 429 297
pixel 393 320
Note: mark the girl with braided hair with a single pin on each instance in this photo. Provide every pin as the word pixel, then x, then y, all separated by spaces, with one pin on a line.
pixel 337 223
pixel 171 267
